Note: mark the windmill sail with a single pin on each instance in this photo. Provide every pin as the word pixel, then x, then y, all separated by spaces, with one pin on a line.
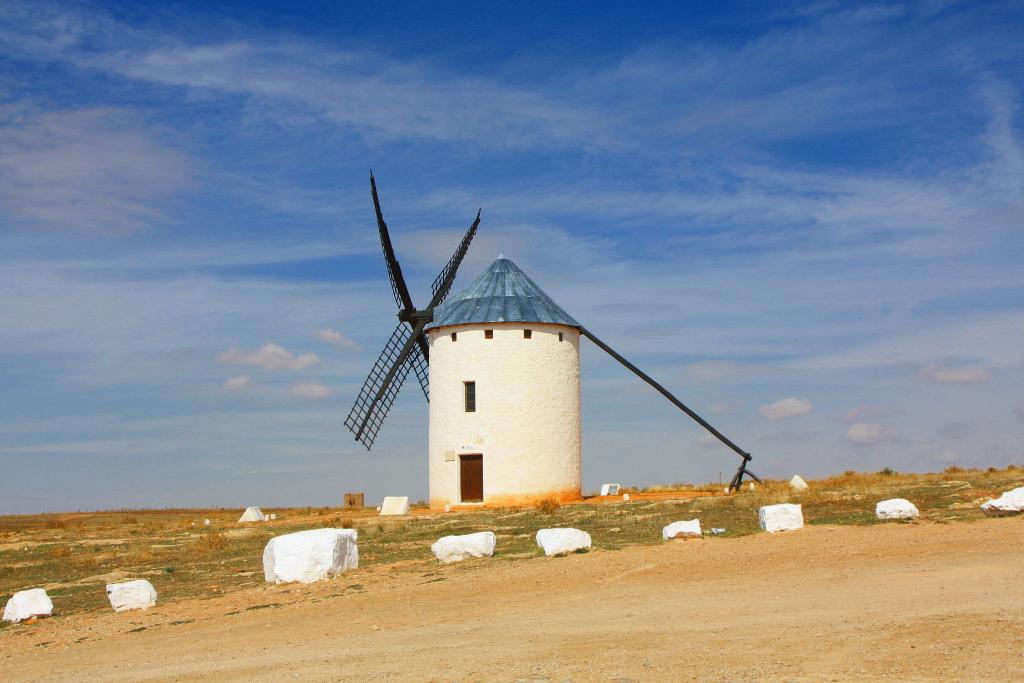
pixel 443 283
pixel 398 287
pixel 368 412
pixel 407 349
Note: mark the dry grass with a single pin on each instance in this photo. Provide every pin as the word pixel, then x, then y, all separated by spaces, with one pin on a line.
pixel 73 555
pixel 548 506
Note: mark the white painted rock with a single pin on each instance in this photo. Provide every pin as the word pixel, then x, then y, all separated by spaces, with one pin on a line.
pixel 308 556
pixel 896 508
pixel 559 541
pixel 206 522
pixel 395 505
pixel 273 516
pixel 266 517
pixel 131 595
pixel 1010 503
pixel 252 514
pixel 609 489
pixel 458 548
pixel 797 483
pixel 686 529
pixel 781 517
pixel 27 604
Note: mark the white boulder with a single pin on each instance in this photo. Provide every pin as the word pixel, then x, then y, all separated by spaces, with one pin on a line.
pixel 27 604
pixel 395 505
pixel 1010 503
pixel 308 556
pixel 131 595
pixel 896 508
pixel 559 541
pixel 797 483
pixel 686 529
pixel 252 514
pixel 458 548
pixel 781 517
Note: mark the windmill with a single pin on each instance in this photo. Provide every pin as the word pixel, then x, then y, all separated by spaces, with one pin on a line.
pixel 506 376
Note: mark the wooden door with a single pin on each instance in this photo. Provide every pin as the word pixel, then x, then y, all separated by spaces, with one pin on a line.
pixel 471 469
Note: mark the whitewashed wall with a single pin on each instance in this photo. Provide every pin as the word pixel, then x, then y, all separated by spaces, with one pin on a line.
pixel 527 419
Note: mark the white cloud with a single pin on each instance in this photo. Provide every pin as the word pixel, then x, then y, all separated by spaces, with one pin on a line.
pixel 942 373
pixel 866 433
pixel 269 357
pixel 335 338
pixel 313 390
pixel 237 383
pixel 92 170
pixel 786 407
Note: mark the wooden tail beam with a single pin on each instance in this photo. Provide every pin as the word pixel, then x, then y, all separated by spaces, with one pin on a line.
pixel 737 480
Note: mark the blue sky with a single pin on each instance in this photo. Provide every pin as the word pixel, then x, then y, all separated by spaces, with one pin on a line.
pixel 805 220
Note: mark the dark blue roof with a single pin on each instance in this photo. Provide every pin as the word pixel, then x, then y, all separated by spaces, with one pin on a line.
pixel 503 294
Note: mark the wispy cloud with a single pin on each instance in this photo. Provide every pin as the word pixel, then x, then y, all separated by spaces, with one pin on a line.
pixel 296 82
pixel 238 383
pixel 97 171
pixel 867 433
pixel 269 357
pixel 786 407
pixel 719 370
pixel 944 374
pixel 337 339
pixel 311 390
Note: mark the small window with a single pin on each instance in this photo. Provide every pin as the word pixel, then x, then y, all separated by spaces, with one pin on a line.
pixel 488 334
pixel 527 334
pixel 559 336
pixel 470 391
pixel 454 337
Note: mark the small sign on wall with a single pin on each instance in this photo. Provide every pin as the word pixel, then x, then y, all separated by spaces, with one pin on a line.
pixel 449 456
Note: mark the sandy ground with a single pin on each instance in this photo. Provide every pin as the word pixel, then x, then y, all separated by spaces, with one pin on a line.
pixel 908 602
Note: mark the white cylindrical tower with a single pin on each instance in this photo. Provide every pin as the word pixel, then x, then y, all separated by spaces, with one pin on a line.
pixel 504 395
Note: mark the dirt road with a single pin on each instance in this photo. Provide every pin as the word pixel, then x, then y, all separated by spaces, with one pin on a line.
pixel 908 602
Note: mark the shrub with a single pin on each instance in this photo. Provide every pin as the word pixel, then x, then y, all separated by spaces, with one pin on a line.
pixel 548 506
pixel 212 541
pixel 887 472
pixel 953 469
pixel 59 551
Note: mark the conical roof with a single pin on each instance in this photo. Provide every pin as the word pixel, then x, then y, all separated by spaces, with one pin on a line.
pixel 503 294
